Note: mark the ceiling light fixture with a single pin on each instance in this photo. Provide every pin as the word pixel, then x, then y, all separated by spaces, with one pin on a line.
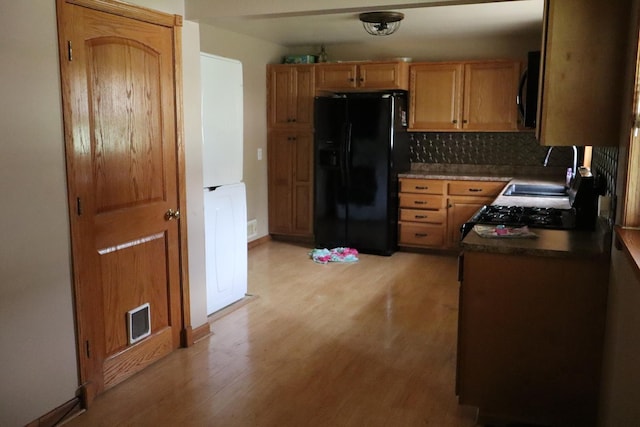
pixel 381 23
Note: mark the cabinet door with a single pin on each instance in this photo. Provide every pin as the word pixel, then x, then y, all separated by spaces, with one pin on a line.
pixel 336 76
pixel 436 95
pixel 291 183
pixel 460 209
pixel 537 321
pixel 303 184
pixel 583 93
pixel 384 75
pixel 290 92
pixel 303 96
pixel 490 90
pixel 280 149
pixel 280 95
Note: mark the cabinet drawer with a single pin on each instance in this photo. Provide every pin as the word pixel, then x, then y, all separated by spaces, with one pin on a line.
pixel 423 186
pixel 421 234
pixel 421 215
pixel 419 201
pixel 475 188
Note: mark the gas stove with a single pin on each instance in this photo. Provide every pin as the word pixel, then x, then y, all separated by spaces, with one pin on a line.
pixel 518 216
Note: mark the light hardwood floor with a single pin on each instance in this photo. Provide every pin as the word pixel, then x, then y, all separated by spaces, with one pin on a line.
pixel 371 343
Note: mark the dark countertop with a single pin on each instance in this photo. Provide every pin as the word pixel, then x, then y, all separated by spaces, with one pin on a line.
pixel 549 243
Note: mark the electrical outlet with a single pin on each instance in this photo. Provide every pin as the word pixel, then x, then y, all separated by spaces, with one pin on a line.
pixel 252 228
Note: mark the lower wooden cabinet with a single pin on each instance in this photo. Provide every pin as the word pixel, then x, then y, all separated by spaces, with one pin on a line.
pixel 432 211
pixel 290 171
pixel 530 338
pixel 464 198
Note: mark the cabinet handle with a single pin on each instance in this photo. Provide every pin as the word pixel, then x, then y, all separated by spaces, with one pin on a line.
pixel 454 121
pixel 421 188
pixel 475 190
pixel 420 216
pixel 419 202
pixel 351 79
pixel 465 121
pixel 420 234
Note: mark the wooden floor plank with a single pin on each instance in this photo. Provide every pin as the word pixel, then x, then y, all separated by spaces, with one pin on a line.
pixel 371 343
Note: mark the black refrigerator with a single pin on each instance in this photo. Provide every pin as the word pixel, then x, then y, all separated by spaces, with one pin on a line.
pixel 361 144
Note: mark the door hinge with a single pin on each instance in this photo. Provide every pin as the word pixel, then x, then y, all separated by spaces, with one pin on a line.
pixel 69 50
pixel 87 349
pixel 78 206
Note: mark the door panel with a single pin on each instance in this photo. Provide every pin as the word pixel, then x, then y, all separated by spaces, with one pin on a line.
pixel 128 163
pixel 368 178
pixel 122 170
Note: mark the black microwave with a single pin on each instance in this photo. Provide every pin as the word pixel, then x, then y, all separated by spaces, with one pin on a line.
pixel 528 90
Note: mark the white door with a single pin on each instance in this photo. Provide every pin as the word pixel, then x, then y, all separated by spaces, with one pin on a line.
pixel 225 228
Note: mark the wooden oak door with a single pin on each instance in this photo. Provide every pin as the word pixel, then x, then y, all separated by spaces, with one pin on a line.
pixel 121 133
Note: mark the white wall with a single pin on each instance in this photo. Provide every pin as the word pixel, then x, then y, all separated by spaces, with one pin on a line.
pixel 38 359
pixel 449 49
pixel 38 364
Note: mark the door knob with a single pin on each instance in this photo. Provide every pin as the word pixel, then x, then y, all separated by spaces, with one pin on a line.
pixel 171 214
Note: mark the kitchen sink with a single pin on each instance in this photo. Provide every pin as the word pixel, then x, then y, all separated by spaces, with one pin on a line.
pixel 536 190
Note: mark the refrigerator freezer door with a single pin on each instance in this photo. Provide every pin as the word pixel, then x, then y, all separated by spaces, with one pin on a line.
pixel 330 205
pixel 225 245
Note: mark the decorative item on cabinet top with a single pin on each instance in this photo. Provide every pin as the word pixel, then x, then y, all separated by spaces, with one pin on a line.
pixel 299 59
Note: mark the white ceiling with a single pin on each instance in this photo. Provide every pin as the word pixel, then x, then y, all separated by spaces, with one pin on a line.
pixel 516 18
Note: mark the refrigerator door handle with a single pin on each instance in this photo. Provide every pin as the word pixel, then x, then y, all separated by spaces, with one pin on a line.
pixel 347 153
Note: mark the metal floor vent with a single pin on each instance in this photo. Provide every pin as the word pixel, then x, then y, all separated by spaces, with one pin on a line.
pixel 139 323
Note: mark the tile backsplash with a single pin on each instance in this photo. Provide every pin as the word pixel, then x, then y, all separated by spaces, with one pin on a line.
pixel 505 149
pixel 484 148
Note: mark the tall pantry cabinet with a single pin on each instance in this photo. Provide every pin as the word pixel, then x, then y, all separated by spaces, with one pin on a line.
pixel 290 92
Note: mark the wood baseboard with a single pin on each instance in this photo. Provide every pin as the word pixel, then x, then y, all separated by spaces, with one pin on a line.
pixel 252 244
pixel 61 414
pixel 201 332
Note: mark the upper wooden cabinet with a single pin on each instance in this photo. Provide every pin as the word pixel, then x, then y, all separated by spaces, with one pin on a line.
pixel 290 91
pixel 362 76
pixel 582 90
pixel 467 96
pixel 436 96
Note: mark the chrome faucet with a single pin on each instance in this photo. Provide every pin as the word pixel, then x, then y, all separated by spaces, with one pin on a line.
pixel 546 159
pixel 575 159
